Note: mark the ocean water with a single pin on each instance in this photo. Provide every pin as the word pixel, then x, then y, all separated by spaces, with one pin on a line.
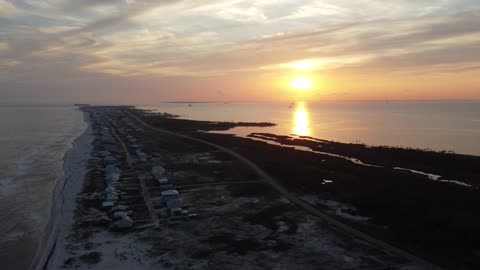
pixel 33 141
pixel 438 125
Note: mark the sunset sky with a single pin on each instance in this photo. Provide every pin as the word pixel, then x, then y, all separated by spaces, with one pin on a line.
pixel 147 51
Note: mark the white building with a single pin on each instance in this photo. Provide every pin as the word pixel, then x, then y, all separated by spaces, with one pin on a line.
pixel 169 194
pixel 163 181
pixel 123 223
pixel 158 172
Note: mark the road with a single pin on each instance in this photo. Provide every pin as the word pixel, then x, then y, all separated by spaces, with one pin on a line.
pixel 141 178
pixel 294 199
pixel 209 184
pixel 127 154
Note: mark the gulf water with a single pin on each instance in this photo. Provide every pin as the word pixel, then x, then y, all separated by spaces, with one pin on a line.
pixel 33 141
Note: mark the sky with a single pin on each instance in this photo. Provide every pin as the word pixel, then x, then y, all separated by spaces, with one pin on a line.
pixel 148 51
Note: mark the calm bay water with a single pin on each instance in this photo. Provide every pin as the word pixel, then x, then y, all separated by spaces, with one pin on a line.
pixel 33 141
pixel 435 125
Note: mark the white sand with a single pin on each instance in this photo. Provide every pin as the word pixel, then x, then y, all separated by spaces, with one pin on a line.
pixel 64 202
pixel 119 252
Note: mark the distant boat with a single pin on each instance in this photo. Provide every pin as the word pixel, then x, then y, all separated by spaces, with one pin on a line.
pixel 189 105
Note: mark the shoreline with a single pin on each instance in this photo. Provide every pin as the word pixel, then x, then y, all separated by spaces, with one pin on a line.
pixel 329 123
pixel 349 191
pixel 71 182
pixel 441 166
pixel 354 160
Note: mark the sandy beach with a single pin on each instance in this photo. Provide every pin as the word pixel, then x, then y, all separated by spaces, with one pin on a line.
pixel 52 246
pixel 56 248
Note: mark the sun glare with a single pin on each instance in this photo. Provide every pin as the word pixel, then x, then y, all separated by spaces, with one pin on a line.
pixel 301 122
pixel 301 83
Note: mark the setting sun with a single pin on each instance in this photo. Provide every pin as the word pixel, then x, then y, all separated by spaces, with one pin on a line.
pixel 301 83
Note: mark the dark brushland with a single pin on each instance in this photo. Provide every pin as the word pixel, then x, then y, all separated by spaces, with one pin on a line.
pixel 435 220
pixel 234 216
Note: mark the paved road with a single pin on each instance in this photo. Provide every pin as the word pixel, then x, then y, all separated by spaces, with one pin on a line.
pixel 218 184
pixel 294 199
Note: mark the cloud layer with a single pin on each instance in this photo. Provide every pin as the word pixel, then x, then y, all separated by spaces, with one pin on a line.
pixel 144 50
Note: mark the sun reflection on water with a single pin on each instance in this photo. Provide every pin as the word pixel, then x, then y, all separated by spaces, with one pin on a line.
pixel 301 122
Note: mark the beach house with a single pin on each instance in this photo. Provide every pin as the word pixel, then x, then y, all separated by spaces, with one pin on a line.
pixel 169 194
pixel 124 222
pixel 174 207
pixel 158 171
pixel 163 181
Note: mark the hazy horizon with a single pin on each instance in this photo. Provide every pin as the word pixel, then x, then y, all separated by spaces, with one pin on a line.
pixel 233 101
